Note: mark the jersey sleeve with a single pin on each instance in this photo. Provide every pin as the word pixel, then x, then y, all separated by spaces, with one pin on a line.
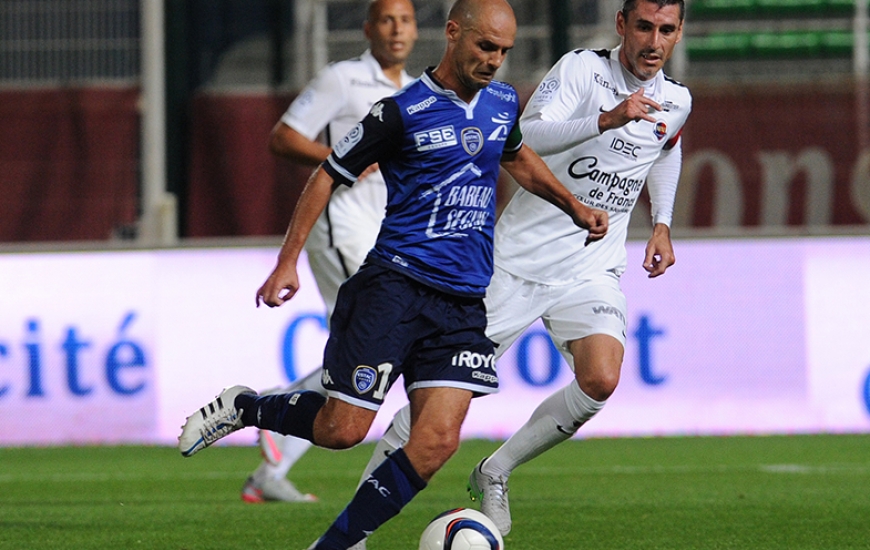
pixel 664 174
pixel 514 140
pixel 377 138
pixel 548 123
pixel 320 101
pixel 662 181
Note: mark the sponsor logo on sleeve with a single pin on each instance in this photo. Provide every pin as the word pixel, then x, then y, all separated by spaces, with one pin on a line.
pixel 348 141
pixel 546 90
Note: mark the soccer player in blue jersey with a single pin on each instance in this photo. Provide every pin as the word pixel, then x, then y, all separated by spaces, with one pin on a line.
pixel 415 308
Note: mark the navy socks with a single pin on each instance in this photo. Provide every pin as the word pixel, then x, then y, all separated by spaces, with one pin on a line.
pixel 286 413
pixel 380 497
pixel 383 495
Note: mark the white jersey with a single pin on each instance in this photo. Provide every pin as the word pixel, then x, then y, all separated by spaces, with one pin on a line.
pixel 534 239
pixel 334 102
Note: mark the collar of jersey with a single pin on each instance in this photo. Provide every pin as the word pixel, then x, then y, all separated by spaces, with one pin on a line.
pixel 432 83
pixel 378 71
pixel 619 77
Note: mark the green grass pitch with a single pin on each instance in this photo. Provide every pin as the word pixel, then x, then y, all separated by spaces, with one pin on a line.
pixel 784 492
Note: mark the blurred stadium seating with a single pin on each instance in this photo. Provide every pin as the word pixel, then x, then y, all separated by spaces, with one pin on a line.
pixel 70 72
pixel 770 29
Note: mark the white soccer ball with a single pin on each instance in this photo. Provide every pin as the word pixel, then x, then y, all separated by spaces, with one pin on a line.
pixel 461 529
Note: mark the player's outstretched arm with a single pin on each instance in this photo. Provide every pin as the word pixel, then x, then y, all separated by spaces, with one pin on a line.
pixel 530 172
pixel 659 251
pixel 283 282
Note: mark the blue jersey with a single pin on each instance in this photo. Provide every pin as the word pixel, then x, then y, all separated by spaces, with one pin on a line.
pixel 440 160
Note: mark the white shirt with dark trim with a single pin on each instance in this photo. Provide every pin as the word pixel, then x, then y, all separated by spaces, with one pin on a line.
pixel 333 102
pixel 534 239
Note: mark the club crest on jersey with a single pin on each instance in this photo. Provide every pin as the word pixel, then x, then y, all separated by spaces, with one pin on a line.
pixel 364 379
pixel 660 130
pixel 472 140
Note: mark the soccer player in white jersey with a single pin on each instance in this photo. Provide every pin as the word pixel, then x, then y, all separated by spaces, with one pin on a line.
pixel 331 104
pixel 605 122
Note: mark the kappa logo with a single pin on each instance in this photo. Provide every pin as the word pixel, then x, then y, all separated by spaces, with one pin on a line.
pixel 325 378
pixel 485 377
pixel 604 83
pixel 472 140
pixel 364 378
pixel 417 107
pixel 378 111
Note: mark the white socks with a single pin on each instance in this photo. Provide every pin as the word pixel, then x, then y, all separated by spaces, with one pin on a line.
pixel 396 436
pixel 292 449
pixel 556 419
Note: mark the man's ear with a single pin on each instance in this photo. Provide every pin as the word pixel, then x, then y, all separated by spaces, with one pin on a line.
pixel 452 31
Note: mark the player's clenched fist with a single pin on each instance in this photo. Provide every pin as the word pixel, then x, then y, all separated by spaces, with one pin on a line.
pixel 596 222
pixel 281 286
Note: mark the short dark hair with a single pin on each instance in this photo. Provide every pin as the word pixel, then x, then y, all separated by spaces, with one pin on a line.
pixel 628 5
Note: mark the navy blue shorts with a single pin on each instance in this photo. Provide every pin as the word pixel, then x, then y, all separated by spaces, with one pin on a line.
pixel 386 324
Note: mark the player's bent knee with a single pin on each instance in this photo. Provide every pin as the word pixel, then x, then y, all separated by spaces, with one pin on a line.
pixel 341 440
pixel 341 425
pixel 448 446
pixel 600 386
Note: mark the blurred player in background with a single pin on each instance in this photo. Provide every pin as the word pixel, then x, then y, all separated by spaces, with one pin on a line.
pixel 415 308
pixel 333 103
pixel 605 122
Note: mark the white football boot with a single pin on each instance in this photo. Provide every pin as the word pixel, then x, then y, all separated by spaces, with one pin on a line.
pixel 492 492
pixel 212 422
pixel 261 487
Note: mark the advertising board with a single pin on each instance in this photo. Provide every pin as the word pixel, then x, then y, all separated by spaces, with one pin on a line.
pixel 739 337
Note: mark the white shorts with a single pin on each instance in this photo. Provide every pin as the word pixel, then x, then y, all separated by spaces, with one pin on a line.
pixel 569 312
pixel 343 236
pixel 331 267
